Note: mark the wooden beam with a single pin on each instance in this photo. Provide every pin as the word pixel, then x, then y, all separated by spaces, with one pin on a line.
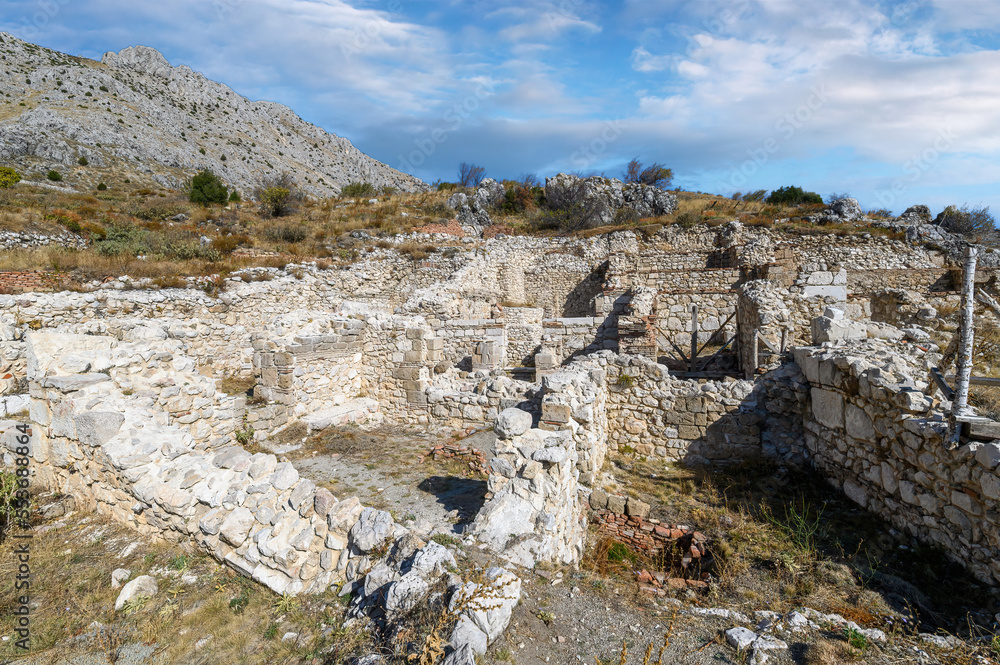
pixel 678 349
pixel 978 380
pixel 963 366
pixel 721 349
pixel 985 298
pixel 713 335
pixel 939 379
pixel 694 336
pixel 767 343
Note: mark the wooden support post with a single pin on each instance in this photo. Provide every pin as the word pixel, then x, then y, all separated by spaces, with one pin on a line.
pixel 754 357
pixel 963 366
pixel 694 336
pixel 784 339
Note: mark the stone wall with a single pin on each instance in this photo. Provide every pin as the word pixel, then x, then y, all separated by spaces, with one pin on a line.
pixel 108 439
pixel 872 431
pixel 533 511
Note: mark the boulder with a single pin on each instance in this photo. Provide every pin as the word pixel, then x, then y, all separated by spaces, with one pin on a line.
pixel 489 611
pixel 847 209
pixel 371 529
pixel 144 585
pixel 512 422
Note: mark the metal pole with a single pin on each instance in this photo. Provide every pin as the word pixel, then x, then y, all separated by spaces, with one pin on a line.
pixel 963 367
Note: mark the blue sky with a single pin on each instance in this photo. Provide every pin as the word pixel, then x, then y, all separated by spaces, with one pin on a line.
pixel 894 102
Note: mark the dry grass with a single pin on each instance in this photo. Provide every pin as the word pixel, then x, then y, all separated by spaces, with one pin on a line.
pixel 785 540
pixel 71 568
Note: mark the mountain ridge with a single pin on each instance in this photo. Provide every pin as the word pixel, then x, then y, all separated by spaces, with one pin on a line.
pixel 135 113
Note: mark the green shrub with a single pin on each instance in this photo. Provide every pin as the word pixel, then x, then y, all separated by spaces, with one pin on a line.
pixel 82 161
pixel 286 233
pixel 206 188
pixel 123 240
pixel 278 195
pixel 234 196
pixel 358 190
pixel 8 177
pixel 792 195
pixel 54 175
pixel 654 175
pixel 446 186
pixel 101 187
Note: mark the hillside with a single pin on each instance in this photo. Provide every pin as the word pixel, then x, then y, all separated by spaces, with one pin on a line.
pixel 135 116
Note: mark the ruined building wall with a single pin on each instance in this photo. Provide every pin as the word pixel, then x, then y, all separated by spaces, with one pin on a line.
pixel 109 440
pixel 870 430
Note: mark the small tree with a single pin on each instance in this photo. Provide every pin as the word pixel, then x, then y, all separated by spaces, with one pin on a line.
pixel 8 177
pixel 792 195
pixel 234 197
pixel 83 161
pixel 654 175
pixel 278 195
pixel 54 175
pixel 470 175
pixel 975 224
pixel 206 188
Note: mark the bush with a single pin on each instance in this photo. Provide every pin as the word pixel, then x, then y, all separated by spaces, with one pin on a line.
pixel 286 233
pixel 82 161
pixel 975 224
pixel 206 188
pixel 793 195
pixel 470 175
pixel 358 190
pixel 101 187
pixel 8 177
pixel 54 175
pixel 654 175
pixel 445 186
pixel 123 240
pixel 278 195
pixel 234 196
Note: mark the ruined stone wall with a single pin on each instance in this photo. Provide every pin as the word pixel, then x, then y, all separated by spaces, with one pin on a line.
pixel 918 279
pixel 109 440
pixel 652 413
pixel 533 511
pixel 870 430
pixel 859 253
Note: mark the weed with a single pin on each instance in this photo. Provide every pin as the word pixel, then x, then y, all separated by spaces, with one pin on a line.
pixel 546 617
pixel 625 381
pixel 180 562
pixel 856 638
pixel 445 539
pixel 134 605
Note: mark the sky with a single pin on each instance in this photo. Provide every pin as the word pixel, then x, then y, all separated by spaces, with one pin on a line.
pixel 893 102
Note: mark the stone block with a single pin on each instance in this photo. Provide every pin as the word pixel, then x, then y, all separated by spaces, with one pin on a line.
pixel 556 413
pixel 859 424
pixel 828 407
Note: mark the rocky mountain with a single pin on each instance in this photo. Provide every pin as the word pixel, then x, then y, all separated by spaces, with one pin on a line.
pixel 135 116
